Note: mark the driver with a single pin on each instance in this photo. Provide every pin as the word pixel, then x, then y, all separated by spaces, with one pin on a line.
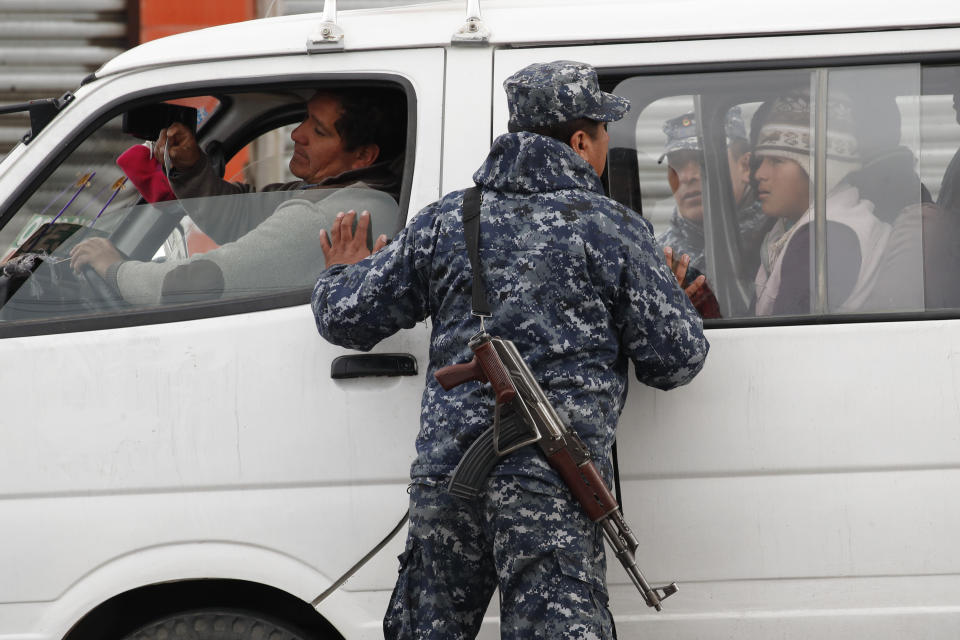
pixel 348 136
pixel 335 157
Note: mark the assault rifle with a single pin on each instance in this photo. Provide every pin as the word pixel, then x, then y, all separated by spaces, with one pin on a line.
pixel 523 416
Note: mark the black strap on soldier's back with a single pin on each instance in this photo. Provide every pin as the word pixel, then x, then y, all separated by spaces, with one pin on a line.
pixel 471 233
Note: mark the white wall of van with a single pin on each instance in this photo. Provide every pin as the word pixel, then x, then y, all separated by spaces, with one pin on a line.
pixel 800 486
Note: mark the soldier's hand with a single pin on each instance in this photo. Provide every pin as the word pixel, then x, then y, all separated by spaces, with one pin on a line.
pixel 344 246
pixel 679 267
pixel 180 145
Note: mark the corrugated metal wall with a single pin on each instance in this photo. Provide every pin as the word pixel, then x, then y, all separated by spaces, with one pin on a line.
pixel 48 46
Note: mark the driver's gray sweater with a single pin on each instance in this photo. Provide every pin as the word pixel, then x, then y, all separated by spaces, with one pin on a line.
pixel 280 253
pixel 225 220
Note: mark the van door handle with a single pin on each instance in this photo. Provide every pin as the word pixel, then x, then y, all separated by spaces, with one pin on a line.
pixel 373 364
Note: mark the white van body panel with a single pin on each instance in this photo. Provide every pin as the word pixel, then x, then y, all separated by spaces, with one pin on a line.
pixel 814 522
pixel 801 485
pixel 160 467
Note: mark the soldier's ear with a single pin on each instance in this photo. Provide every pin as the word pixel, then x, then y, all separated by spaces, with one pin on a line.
pixel 580 142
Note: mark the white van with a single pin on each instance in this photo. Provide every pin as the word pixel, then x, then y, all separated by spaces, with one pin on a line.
pixel 205 467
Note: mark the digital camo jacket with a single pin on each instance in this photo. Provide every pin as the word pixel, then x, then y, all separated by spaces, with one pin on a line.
pixel 574 279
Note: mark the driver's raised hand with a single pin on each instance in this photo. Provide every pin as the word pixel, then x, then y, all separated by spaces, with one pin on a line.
pixel 180 145
pixel 99 253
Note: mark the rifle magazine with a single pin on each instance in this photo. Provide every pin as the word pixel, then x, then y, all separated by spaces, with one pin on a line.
pixel 475 466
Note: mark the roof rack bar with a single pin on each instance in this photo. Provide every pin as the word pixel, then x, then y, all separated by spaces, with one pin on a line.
pixel 328 36
pixel 473 9
pixel 330 11
pixel 473 31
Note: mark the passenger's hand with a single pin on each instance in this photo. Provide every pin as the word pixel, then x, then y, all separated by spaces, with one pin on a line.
pixel 679 268
pixel 180 144
pixel 99 253
pixel 344 246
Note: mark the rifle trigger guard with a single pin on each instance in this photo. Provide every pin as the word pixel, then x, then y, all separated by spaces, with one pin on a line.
pixel 502 452
pixel 496 431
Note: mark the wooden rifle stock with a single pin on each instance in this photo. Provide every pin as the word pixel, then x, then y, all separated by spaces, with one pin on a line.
pixel 585 483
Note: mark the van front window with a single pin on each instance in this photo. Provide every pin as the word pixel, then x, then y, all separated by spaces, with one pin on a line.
pixel 123 225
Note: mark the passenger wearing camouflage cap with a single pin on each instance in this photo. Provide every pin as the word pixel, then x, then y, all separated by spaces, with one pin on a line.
pixel 576 281
pixel 684 238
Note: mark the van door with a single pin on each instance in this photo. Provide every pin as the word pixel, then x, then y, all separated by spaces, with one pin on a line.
pixel 199 435
pixel 801 485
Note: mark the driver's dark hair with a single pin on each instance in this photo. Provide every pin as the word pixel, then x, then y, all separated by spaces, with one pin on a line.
pixel 371 115
pixel 563 131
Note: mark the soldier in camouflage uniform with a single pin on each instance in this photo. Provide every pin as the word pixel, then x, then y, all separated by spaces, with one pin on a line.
pixel 578 283
pixel 684 157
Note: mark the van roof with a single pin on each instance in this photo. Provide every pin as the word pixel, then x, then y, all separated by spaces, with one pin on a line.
pixel 527 22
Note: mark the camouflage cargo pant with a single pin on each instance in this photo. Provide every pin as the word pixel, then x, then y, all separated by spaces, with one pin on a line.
pixel 525 536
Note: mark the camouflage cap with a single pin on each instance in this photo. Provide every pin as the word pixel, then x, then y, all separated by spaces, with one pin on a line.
pixel 548 93
pixel 682 131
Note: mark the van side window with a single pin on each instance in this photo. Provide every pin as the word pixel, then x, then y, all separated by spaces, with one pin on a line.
pixel 806 192
pixel 118 227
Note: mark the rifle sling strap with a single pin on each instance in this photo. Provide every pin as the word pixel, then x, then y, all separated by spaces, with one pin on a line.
pixel 471 233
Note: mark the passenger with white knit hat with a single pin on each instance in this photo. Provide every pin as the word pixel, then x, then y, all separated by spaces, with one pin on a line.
pixel 856 238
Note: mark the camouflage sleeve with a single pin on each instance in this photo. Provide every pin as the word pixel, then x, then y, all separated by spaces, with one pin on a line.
pixel 359 305
pixel 659 328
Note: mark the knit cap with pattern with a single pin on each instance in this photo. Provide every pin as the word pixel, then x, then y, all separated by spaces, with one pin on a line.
pixel 786 131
